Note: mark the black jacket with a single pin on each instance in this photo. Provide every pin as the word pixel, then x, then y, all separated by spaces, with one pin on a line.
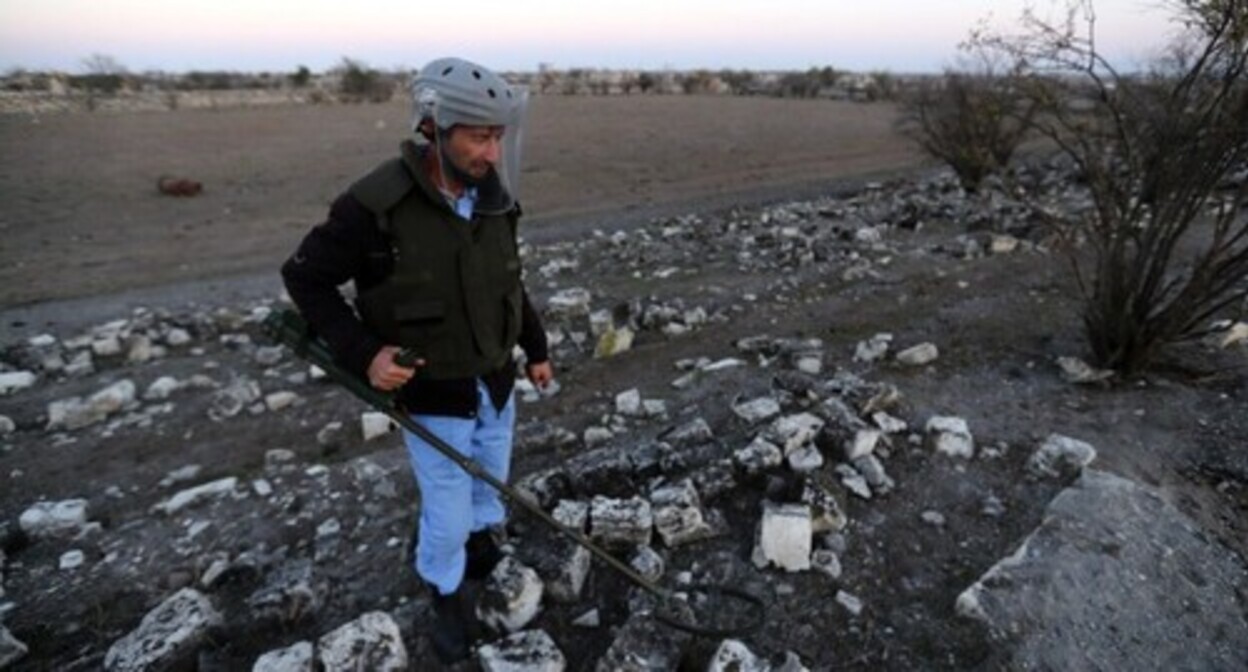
pixel 349 247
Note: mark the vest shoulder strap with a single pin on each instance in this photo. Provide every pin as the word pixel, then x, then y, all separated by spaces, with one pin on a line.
pixel 382 189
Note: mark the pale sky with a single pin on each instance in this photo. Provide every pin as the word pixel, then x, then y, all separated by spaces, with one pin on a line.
pixel 279 35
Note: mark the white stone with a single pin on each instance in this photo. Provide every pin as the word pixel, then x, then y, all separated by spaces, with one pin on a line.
pixel 374 424
pixel 623 522
pixel 628 403
pixel 571 513
pixel 1002 244
pixel 888 424
pixel 933 518
pixel 7 426
pixel 528 651
pixel 950 435
pixel 826 561
pixel 862 443
pixel 297 657
pixel 919 355
pixel 570 302
pixel 759 456
pixel 276 401
pixel 873 349
pixel 16 380
pixel 177 336
pixel 792 431
pixel 513 596
pixel 107 346
pixel 72 559
pixel 757 410
pixel 182 474
pixel 191 496
pixel 48 519
pixel 161 388
pixel 678 514
pixel 168 636
pixel 1059 455
pixel 1237 334
pixel 1079 372
pixel 371 642
pixel 850 601
pixel 809 363
pixel 589 619
pixel 734 656
pixel 872 471
pixel 805 459
pixel 262 487
pixel 648 563
pixel 785 536
pixel 596 436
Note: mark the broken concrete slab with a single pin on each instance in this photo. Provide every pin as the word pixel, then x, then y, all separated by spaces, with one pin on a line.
pixel 528 651
pixel 784 537
pixel 678 514
pixel 512 597
pixel 168 636
pixel 1113 552
pixel 621 522
pixel 370 642
pixel 297 657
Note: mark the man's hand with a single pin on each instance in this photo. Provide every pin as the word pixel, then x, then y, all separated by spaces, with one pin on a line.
pixel 385 375
pixel 540 374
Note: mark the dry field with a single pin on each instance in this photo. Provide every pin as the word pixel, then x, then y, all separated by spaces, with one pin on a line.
pixel 80 189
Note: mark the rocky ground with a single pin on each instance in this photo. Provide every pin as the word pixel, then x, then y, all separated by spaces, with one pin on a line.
pixel 851 406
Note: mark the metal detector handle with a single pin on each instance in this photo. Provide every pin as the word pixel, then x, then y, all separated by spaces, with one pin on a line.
pixel 407 358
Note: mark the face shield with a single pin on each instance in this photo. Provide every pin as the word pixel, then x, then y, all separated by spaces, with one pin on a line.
pixel 477 128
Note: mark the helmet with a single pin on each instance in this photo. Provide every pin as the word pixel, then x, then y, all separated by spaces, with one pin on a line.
pixel 453 91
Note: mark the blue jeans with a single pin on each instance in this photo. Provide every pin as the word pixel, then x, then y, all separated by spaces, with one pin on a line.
pixel 453 504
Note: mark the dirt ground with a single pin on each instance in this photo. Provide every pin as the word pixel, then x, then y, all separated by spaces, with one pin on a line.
pixel 80 189
pixel 1000 322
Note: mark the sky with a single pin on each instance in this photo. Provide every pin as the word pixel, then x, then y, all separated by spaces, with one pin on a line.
pixel 280 35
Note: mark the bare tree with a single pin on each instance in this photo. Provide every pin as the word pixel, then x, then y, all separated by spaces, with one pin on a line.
pixel 973 118
pixel 1157 150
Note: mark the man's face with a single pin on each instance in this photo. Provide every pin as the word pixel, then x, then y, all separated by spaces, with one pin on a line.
pixel 474 150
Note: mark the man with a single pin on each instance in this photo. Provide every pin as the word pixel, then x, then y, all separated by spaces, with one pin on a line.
pixel 429 241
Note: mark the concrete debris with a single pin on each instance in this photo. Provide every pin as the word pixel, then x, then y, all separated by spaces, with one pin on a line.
pixel 512 596
pixel 862 444
pixel 761 455
pixel 950 436
pixel 75 413
pixel 873 349
pixel 54 519
pixel 161 388
pixel 1060 456
pixel 648 563
pixel 628 403
pixel 72 559
pixel 168 636
pixel 785 536
pixel 1237 334
pixel 568 303
pixel 919 355
pixel 734 656
pixel 872 471
pixel 805 459
pixel 182 474
pixel 853 481
pixel 15 381
pixel 297 657
pixel 621 522
pixel 374 424
pixel 850 601
pixel 1079 372
pixel 197 494
pixel 827 562
pixel 644 645
pixel 826 514
pixel 607 471
pixel 232 399
pixel 7 426
pixel 790 432
pixel 528 651
pixel 933 518
pixel 281 400
pixel 691 433
pixel 888 424
pixel 757 410
pixel 371 642
pixel 1109 550
pixel 290 593
pixel 678 514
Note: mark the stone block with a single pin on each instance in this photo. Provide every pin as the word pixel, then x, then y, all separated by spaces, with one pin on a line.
pixel 371 642
pixel 621 522
pixel 512 596
pixel 168 636
pixel 785 536
pixel 527 651
pixel 951 436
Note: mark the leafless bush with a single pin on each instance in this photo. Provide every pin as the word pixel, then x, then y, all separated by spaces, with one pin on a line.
pixel 973 120
pixel 359 83
pixel 1158 151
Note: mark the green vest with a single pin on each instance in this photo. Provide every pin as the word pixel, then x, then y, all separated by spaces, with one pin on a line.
pixel 454 296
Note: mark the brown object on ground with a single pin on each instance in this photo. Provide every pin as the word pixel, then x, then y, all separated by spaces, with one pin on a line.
pixel 178 186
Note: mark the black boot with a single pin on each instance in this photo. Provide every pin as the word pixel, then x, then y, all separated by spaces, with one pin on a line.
pixel 483 555
pixel 452 626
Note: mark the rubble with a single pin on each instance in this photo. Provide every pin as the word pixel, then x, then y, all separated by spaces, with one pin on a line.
pixel 621 522
pixel 873 349
pixel 785 536
pixel 850 601
pixel 75 413
pixel 53 519
pixel 734 656
pixel 512 597
pixel 374 424
pixel 761 455
pixel 168 636
pixel 678 514
pixel 527 651
pixel 950 436
pixel 791 432
pixel 1079 372
pixel 371 642
pixel 15 381
pixel 192 496
pixel 919 355
pixel 757 410
pixel 297 657
pixel 1059 456
pixel 643 645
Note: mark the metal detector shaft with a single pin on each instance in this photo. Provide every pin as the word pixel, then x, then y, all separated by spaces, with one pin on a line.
pixel 289 328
